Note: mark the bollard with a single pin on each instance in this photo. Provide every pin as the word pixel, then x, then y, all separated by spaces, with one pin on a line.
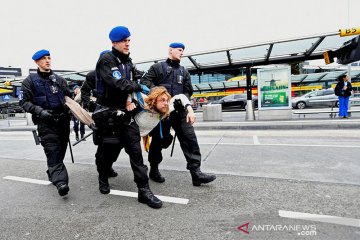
pixel 212 112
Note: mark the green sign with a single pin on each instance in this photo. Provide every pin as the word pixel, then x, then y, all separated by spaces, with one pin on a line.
pixel 274 99
pixel 274 88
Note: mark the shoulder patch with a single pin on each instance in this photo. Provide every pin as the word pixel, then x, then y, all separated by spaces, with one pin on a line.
pixel 117 75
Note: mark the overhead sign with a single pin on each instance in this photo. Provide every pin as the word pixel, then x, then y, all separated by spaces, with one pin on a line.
pixel 349 31
pixel 329 57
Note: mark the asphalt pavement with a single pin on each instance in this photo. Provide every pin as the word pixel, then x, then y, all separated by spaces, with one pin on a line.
pixel 272 183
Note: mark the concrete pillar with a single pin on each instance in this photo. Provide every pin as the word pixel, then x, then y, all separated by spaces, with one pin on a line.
pixel 212 112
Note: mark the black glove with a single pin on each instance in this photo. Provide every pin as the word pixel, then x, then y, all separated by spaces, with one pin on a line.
pixel 178 105
pixel 45 115
pixel 166 141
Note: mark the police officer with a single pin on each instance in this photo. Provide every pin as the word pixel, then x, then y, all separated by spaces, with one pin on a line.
pixel 43 96
pixel 88 90
pixel 176 79
pixel 115 71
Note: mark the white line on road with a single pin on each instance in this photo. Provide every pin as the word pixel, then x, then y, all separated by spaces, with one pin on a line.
pixel 114 192
pixel 321 218
pixel 256 140
pixel 28 180
pixel 285 144
pixel 162 198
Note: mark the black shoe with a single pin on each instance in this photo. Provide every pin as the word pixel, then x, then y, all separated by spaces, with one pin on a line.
pixel 77 136
pixel 82 136
pixel 155 175
pixel 199 177
pixel 112 173
pixel 63 189
pixel 104 186
pixel 146 196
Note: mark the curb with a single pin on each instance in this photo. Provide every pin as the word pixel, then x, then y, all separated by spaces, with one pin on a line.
pixel 215 126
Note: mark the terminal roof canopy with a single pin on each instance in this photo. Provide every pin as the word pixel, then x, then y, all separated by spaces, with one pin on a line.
pixel 275 52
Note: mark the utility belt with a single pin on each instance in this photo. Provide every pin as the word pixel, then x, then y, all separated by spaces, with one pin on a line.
pixel 59 117
pixel 108 119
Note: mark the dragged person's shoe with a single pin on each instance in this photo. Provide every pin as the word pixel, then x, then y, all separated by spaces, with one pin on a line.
pixel 104 186
pixel 62 188
pixel 199 177
pixel 155 175
pixel 112 173
pixel 146 196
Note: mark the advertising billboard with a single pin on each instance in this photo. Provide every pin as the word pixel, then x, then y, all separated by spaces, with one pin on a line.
pixel 274 88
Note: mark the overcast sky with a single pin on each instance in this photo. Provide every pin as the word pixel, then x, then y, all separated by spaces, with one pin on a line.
pixel 76 32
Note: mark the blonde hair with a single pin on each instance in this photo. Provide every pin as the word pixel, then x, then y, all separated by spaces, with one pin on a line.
pixel 153 95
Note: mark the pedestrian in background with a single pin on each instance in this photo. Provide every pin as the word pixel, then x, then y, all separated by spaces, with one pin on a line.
pixel 77 98
pixel 343 90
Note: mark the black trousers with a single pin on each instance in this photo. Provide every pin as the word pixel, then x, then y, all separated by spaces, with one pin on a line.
pixel 110 144
pixel 185 133
pixel 54 139
pixel 76 126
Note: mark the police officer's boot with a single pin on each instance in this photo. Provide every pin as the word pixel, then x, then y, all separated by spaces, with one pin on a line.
pixel 155 174
pixel 146 196
pixel 104 186
pixel 62 188
pixel 77 136
pixel 112 173
pixel 199 177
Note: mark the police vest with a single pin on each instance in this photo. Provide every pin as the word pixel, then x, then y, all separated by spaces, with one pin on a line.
pixel 126 71
pixel 47 94
pixel 173 79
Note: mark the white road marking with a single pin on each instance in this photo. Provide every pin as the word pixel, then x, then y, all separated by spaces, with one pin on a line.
pixel 321 218
pixel 256 140
pixel 285 144
pixel 113 192
pixel 162 198
pixel 28 180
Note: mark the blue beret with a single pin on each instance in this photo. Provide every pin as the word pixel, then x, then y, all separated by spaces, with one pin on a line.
pixel 177 45
pixel 103 52
pixel 119 33
pixel 39 54
pixel 75 87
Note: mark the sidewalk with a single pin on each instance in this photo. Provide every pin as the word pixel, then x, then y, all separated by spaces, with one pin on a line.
pixel 232 121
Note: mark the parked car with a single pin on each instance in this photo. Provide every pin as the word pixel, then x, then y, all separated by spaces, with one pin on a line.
pixel 318 98
pixel 235 101
pixel 10 107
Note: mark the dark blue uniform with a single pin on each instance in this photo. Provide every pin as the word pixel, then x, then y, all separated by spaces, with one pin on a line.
pixel 114 72
pixel 176 79
pixel 45 91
